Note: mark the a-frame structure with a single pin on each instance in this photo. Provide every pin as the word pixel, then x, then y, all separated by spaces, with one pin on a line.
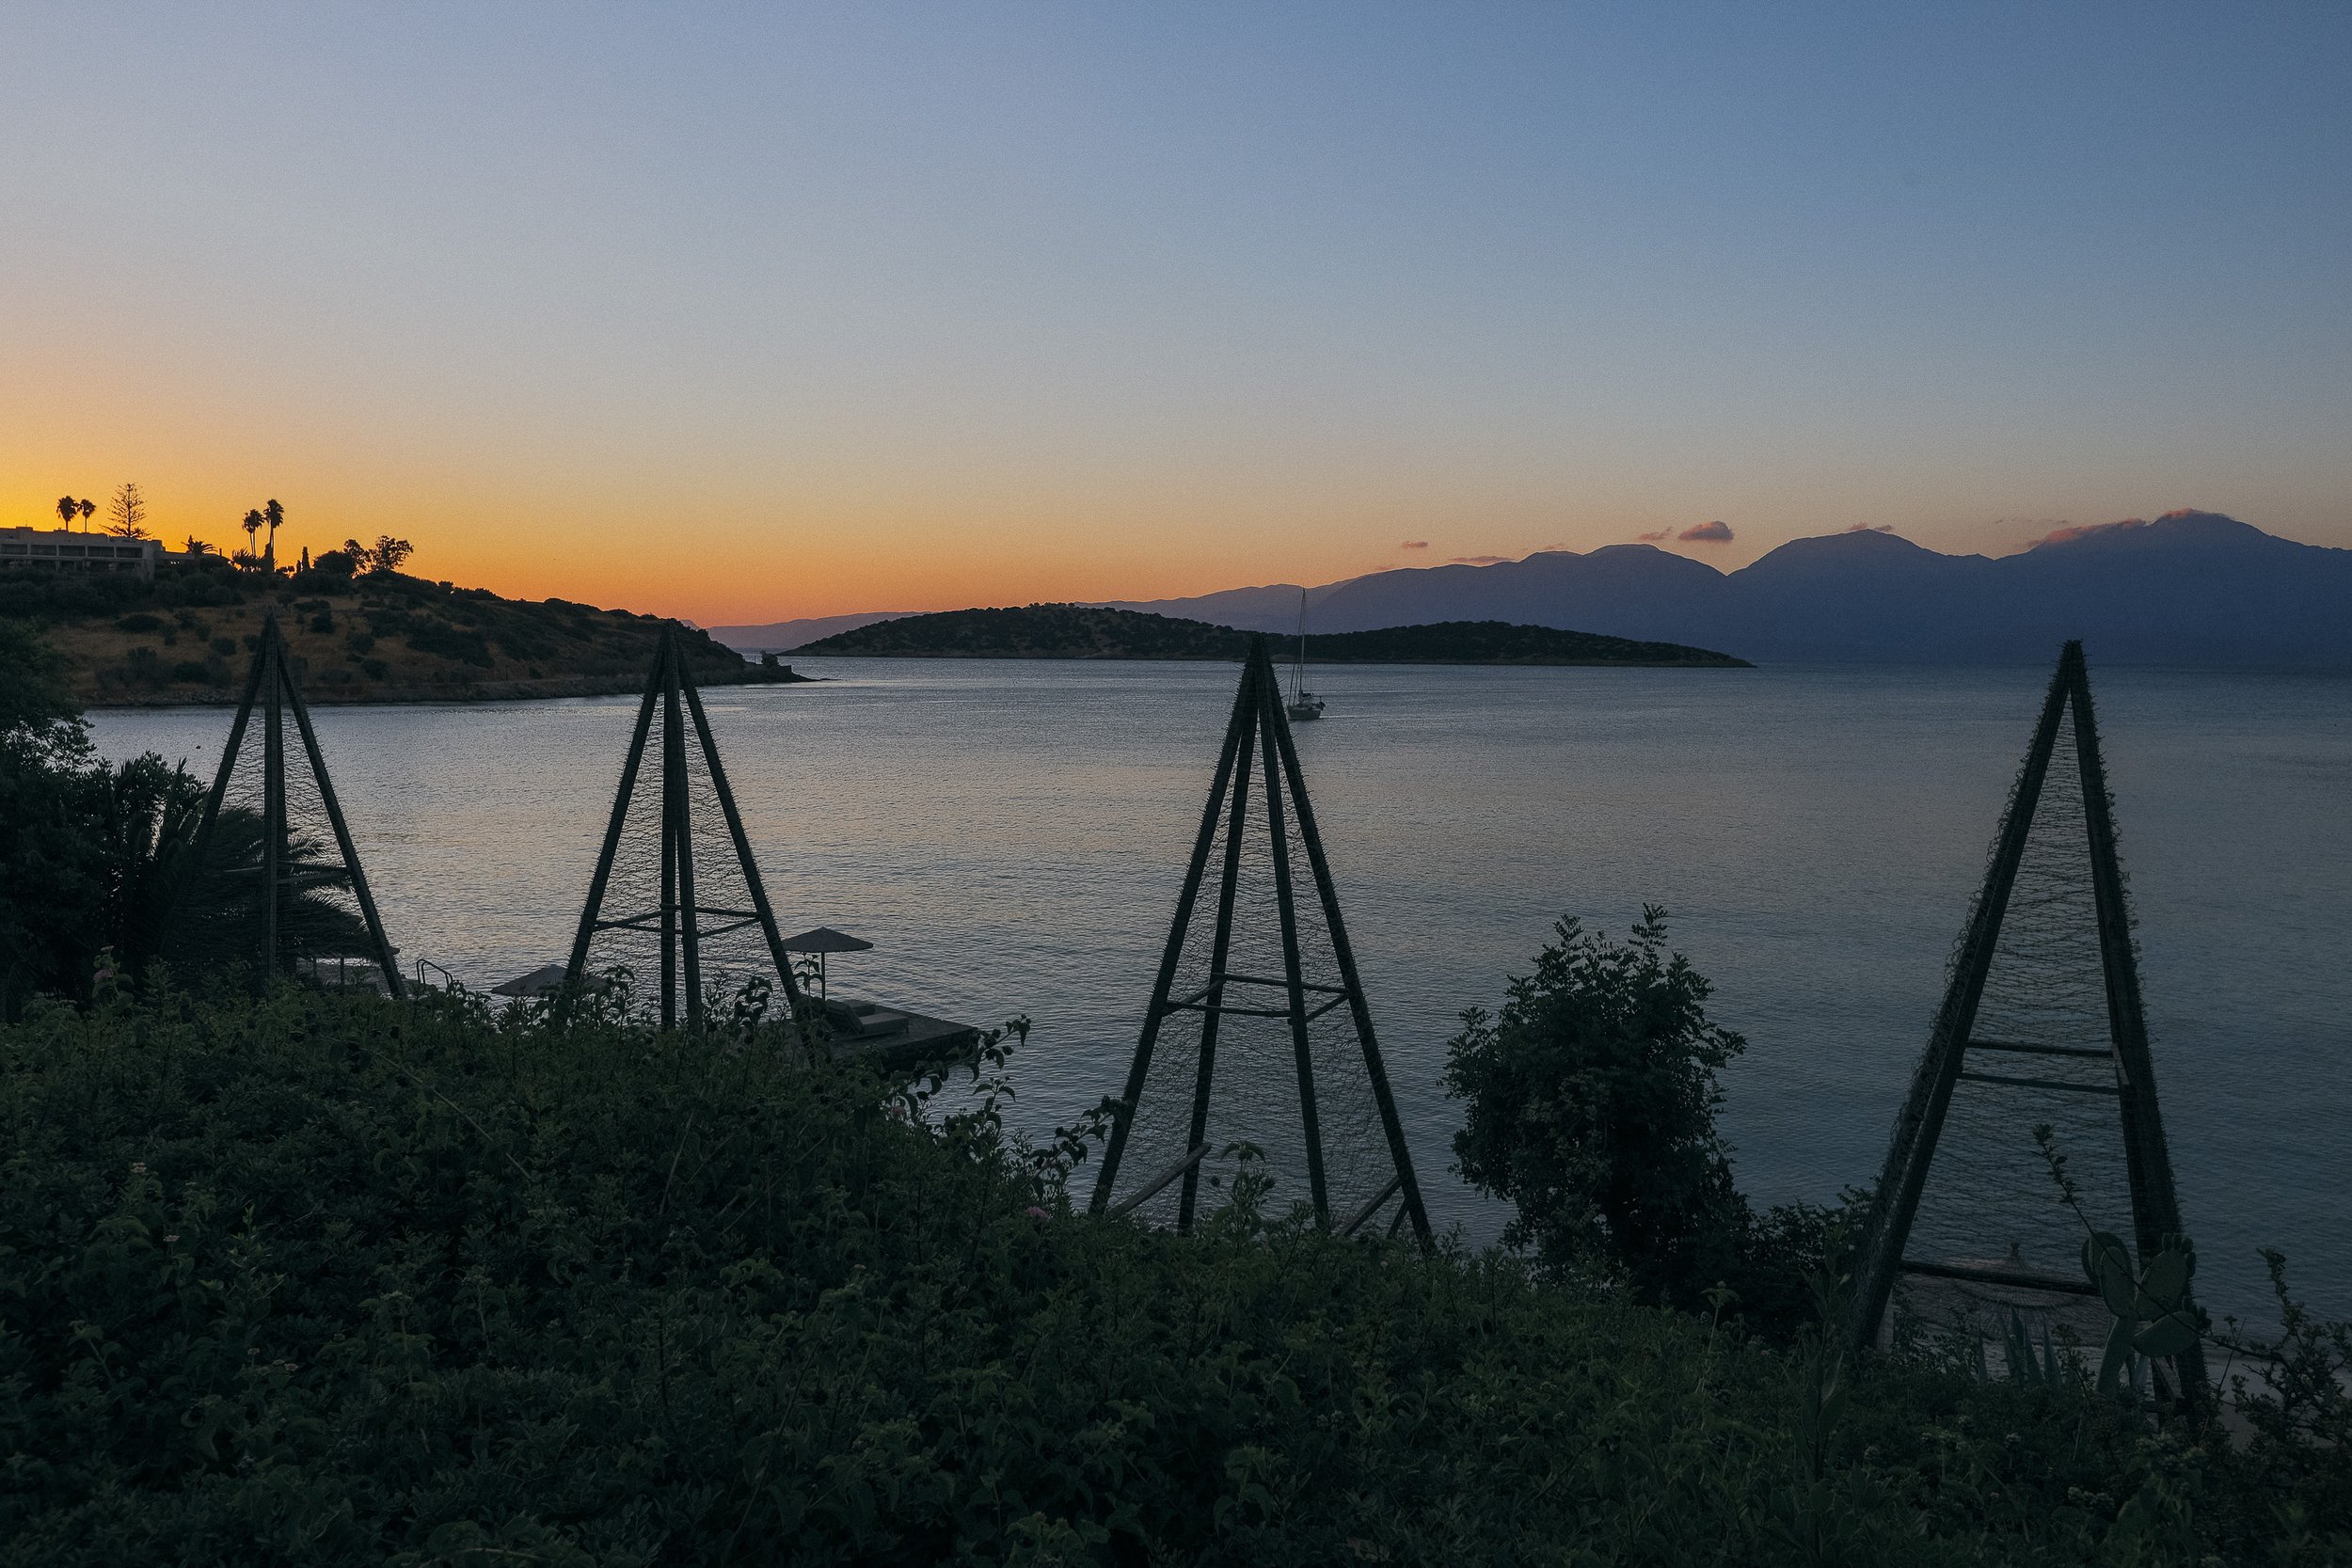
pixel 680 922
pixel 290 870
pixel 2028 1064
pixel 1233 1045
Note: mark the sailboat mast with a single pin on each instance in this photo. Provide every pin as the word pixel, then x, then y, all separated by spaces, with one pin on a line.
pixel 1298 666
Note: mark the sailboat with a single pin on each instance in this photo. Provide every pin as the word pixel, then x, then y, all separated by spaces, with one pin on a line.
pixel 1304 704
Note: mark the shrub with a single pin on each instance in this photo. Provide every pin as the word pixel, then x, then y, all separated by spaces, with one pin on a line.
pixel 334 1279
pixel 1590 1103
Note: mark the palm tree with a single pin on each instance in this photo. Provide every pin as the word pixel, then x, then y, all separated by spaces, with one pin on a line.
pixel 68 509
pixel 86 507
pixel 252 526
pixel 273 514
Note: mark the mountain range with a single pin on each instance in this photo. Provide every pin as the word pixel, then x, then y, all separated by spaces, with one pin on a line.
pixel 2188 588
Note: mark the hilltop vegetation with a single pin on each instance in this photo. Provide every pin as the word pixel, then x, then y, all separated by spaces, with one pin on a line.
pixel 1091 631
pixel 326 1280
pixel 188 636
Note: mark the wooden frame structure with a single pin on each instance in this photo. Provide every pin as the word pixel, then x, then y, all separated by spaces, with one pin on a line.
pixel 2155 1210
pixel 679 919
pixel 272 684
pixel 1259 736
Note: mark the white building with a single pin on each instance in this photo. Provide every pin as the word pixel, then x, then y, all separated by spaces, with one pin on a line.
pixel 57 549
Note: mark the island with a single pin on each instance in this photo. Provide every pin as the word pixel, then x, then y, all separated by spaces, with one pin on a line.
pixel 187 635
pixel 1093 631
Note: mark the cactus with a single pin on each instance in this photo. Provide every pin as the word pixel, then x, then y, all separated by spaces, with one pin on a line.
pixel 2152 1311
pixel 2028 1367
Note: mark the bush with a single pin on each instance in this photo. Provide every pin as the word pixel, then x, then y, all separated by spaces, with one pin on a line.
pixel 334 1279
pixel 1590 1104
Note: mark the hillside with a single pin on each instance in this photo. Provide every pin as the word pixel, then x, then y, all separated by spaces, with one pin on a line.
pixel 1500 642
pixel 379 638
pixel 1093 631
pixel 2189 588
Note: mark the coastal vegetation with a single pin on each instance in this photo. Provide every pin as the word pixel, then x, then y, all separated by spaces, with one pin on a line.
pixel 1095 631
pixel 1590 1101
pixel 360 630
pixel 327 1278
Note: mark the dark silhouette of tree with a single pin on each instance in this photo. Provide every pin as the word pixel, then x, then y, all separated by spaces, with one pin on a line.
pixel 273 514
pixel 86 506
pixel 252 526
pixel 68 509
pixel 128 513
pixel 390 554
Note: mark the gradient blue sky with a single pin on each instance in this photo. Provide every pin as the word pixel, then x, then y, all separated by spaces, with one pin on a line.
pixel 743 312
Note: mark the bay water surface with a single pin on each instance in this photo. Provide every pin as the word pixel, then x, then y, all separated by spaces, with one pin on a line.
pixel 1011 835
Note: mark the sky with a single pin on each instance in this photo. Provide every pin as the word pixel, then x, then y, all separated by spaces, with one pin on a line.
pixel 746 312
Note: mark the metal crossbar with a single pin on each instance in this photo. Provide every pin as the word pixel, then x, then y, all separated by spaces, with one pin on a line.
pixel 2016 1083
pixel 2019 1278
pixel 2081 1051
pixel 1153 1188
pixel 1372 1206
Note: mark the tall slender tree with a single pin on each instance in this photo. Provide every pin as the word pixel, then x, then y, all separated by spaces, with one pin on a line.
pixel 68 509
pixel 252 526
pixel 128 513
pixel 274 515
pixel 86 506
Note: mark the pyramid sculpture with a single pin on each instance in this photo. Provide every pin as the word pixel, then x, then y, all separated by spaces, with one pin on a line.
pixel 263 886
pixel 2042 1022
pixel 685 888
pixel 1257 1032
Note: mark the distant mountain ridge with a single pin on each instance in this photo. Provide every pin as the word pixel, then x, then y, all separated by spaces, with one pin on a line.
pixel 2189 587
pixel 784 635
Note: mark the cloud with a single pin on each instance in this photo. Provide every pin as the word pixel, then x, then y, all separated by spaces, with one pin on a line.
pixel 1706 533
pixel 1414 545
pixel 2084 531
pixel 1871 528
pixel 1653 538
pixel 1478 560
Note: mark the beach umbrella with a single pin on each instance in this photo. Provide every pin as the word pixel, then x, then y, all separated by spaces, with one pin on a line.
pixel 821 940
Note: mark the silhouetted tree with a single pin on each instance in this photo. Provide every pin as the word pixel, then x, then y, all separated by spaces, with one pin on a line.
pixel 252 526
pixel 273 514
pixel 68 509
pixel 86 506
pixel 128 513
pixel 389 554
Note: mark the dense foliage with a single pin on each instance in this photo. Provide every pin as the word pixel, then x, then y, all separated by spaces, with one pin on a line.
pixel 1500 642
pixel 97 871
pixel 374 635
pixel 1590 1103
pixel 1097 631
pixel 1038 631
pixel 328 1279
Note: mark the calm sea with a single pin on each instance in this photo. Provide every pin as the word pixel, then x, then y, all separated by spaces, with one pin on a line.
pixel 1010 836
